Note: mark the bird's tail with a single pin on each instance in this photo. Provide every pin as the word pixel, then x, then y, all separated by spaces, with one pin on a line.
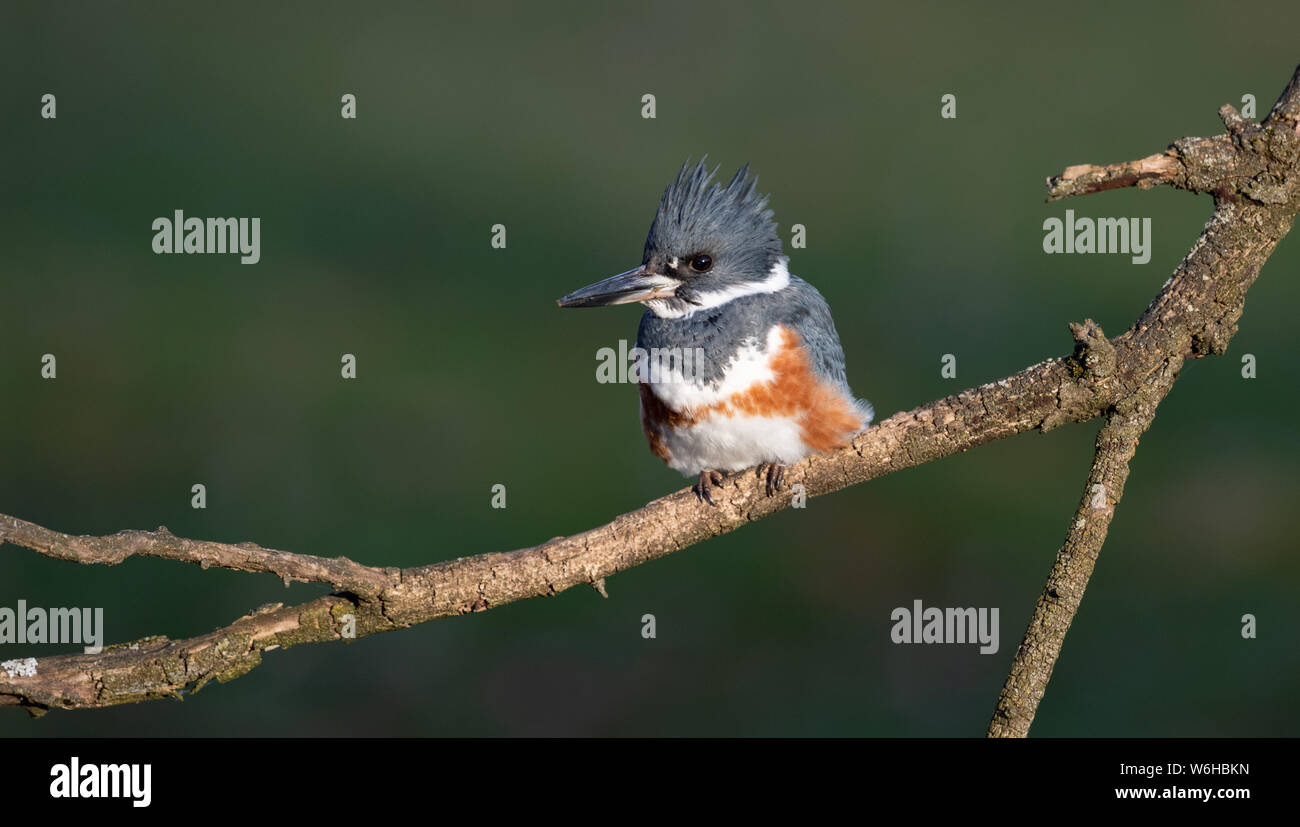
pixel 867 411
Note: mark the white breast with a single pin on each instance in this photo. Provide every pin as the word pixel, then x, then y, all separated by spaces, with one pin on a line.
pixel 672 379
pixel 733 443
pixel 719 441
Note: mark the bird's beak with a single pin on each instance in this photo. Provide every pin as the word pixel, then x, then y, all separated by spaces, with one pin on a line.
pixel 633 286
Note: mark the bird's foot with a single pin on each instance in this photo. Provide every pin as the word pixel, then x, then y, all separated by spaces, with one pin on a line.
pixel 775 476
pixel 707 481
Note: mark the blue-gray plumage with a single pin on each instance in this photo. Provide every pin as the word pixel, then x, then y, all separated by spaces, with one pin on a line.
pixel 732 224
pixel 740 361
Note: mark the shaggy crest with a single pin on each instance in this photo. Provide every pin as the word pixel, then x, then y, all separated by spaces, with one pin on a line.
pixel 696 211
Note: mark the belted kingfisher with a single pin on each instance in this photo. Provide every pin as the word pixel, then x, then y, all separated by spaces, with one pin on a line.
pixel 738 361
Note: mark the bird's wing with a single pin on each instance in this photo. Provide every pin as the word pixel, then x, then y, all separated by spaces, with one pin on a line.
pixel 810 316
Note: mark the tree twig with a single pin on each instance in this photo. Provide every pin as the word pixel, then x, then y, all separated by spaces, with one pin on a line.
pixel 1083 179
pixel 1254 173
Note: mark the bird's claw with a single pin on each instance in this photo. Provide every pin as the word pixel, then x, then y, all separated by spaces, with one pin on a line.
pixel 775 477
pixel 708 480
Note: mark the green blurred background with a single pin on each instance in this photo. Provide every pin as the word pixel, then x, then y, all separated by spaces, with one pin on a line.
pixel 924 234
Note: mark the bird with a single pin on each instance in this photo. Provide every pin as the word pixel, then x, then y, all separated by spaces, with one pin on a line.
pixel 737 360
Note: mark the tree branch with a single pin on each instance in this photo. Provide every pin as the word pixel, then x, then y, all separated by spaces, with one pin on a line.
pixel 1255 177
pixel 339 572
pixel 1061 596
pixel 1246 182
pixel 1083 179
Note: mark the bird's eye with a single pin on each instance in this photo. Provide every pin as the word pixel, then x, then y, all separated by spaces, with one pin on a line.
pixel 701 263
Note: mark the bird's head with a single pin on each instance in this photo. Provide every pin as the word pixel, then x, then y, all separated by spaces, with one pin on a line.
pixel 707 245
